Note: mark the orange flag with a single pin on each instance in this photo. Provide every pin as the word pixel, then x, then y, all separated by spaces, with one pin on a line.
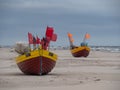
pixel 70 37
pixel 87 36
pixel 69 34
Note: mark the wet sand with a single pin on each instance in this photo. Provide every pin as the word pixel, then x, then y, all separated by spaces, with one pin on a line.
pixel 99 71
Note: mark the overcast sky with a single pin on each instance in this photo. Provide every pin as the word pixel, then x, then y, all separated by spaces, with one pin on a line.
pixel 100 18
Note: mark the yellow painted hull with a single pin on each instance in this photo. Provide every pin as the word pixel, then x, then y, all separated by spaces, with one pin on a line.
pixel 37 62
pixel 80 51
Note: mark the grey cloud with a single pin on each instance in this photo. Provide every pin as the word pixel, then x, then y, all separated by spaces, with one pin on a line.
pixel 74 6
pixel 76 16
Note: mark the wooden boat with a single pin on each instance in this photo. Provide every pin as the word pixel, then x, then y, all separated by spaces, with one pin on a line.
pixel 39 61
pixel 78 51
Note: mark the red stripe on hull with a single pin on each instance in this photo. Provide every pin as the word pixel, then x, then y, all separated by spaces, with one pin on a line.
pixel 33 66
pixel 82 53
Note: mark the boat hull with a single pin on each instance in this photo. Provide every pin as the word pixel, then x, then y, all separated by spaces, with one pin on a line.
pixel 80 51
pixel 40 64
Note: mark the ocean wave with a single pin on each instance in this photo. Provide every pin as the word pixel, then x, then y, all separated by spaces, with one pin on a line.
pixel 106 48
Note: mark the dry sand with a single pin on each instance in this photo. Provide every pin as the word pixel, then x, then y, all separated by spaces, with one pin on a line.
pixel 99 71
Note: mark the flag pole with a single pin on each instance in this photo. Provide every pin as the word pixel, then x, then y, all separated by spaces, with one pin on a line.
pixel 71 43
pixel 29 41
pixel 84 40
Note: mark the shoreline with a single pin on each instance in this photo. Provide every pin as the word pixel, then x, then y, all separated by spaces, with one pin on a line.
pixel 100 71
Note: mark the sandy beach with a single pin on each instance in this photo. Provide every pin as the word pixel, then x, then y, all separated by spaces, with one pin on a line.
pixel 99 71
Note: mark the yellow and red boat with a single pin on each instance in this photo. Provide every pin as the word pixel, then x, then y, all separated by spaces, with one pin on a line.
pixel 39 61
pixel 78 51
pixel 81 51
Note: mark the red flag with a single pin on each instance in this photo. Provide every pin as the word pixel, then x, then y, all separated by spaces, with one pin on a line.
pixel 37 40
pixel 54 37
pixel 48 39
pixel 34 40
pixel 30 38
pixel 49 32
pixel 44 43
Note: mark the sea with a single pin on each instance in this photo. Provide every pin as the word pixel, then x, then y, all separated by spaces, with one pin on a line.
pixel 106 48
pixel 93 48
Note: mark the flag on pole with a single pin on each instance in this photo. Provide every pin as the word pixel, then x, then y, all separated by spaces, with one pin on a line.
pixel 37 40
pixel 49 32
pixel 34 40
pixel 30 38
pixel 69 34
pixel 87 36
pixel 70 37
pixel 54 37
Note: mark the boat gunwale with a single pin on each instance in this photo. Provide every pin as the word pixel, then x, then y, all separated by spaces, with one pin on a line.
pixel 37 53
pixel 80 48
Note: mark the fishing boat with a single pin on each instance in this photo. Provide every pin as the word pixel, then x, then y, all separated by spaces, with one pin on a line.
pixel 38 60
pixel 79 51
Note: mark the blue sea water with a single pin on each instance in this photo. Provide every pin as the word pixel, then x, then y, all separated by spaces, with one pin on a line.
pixel 93 48
pixel 106 48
